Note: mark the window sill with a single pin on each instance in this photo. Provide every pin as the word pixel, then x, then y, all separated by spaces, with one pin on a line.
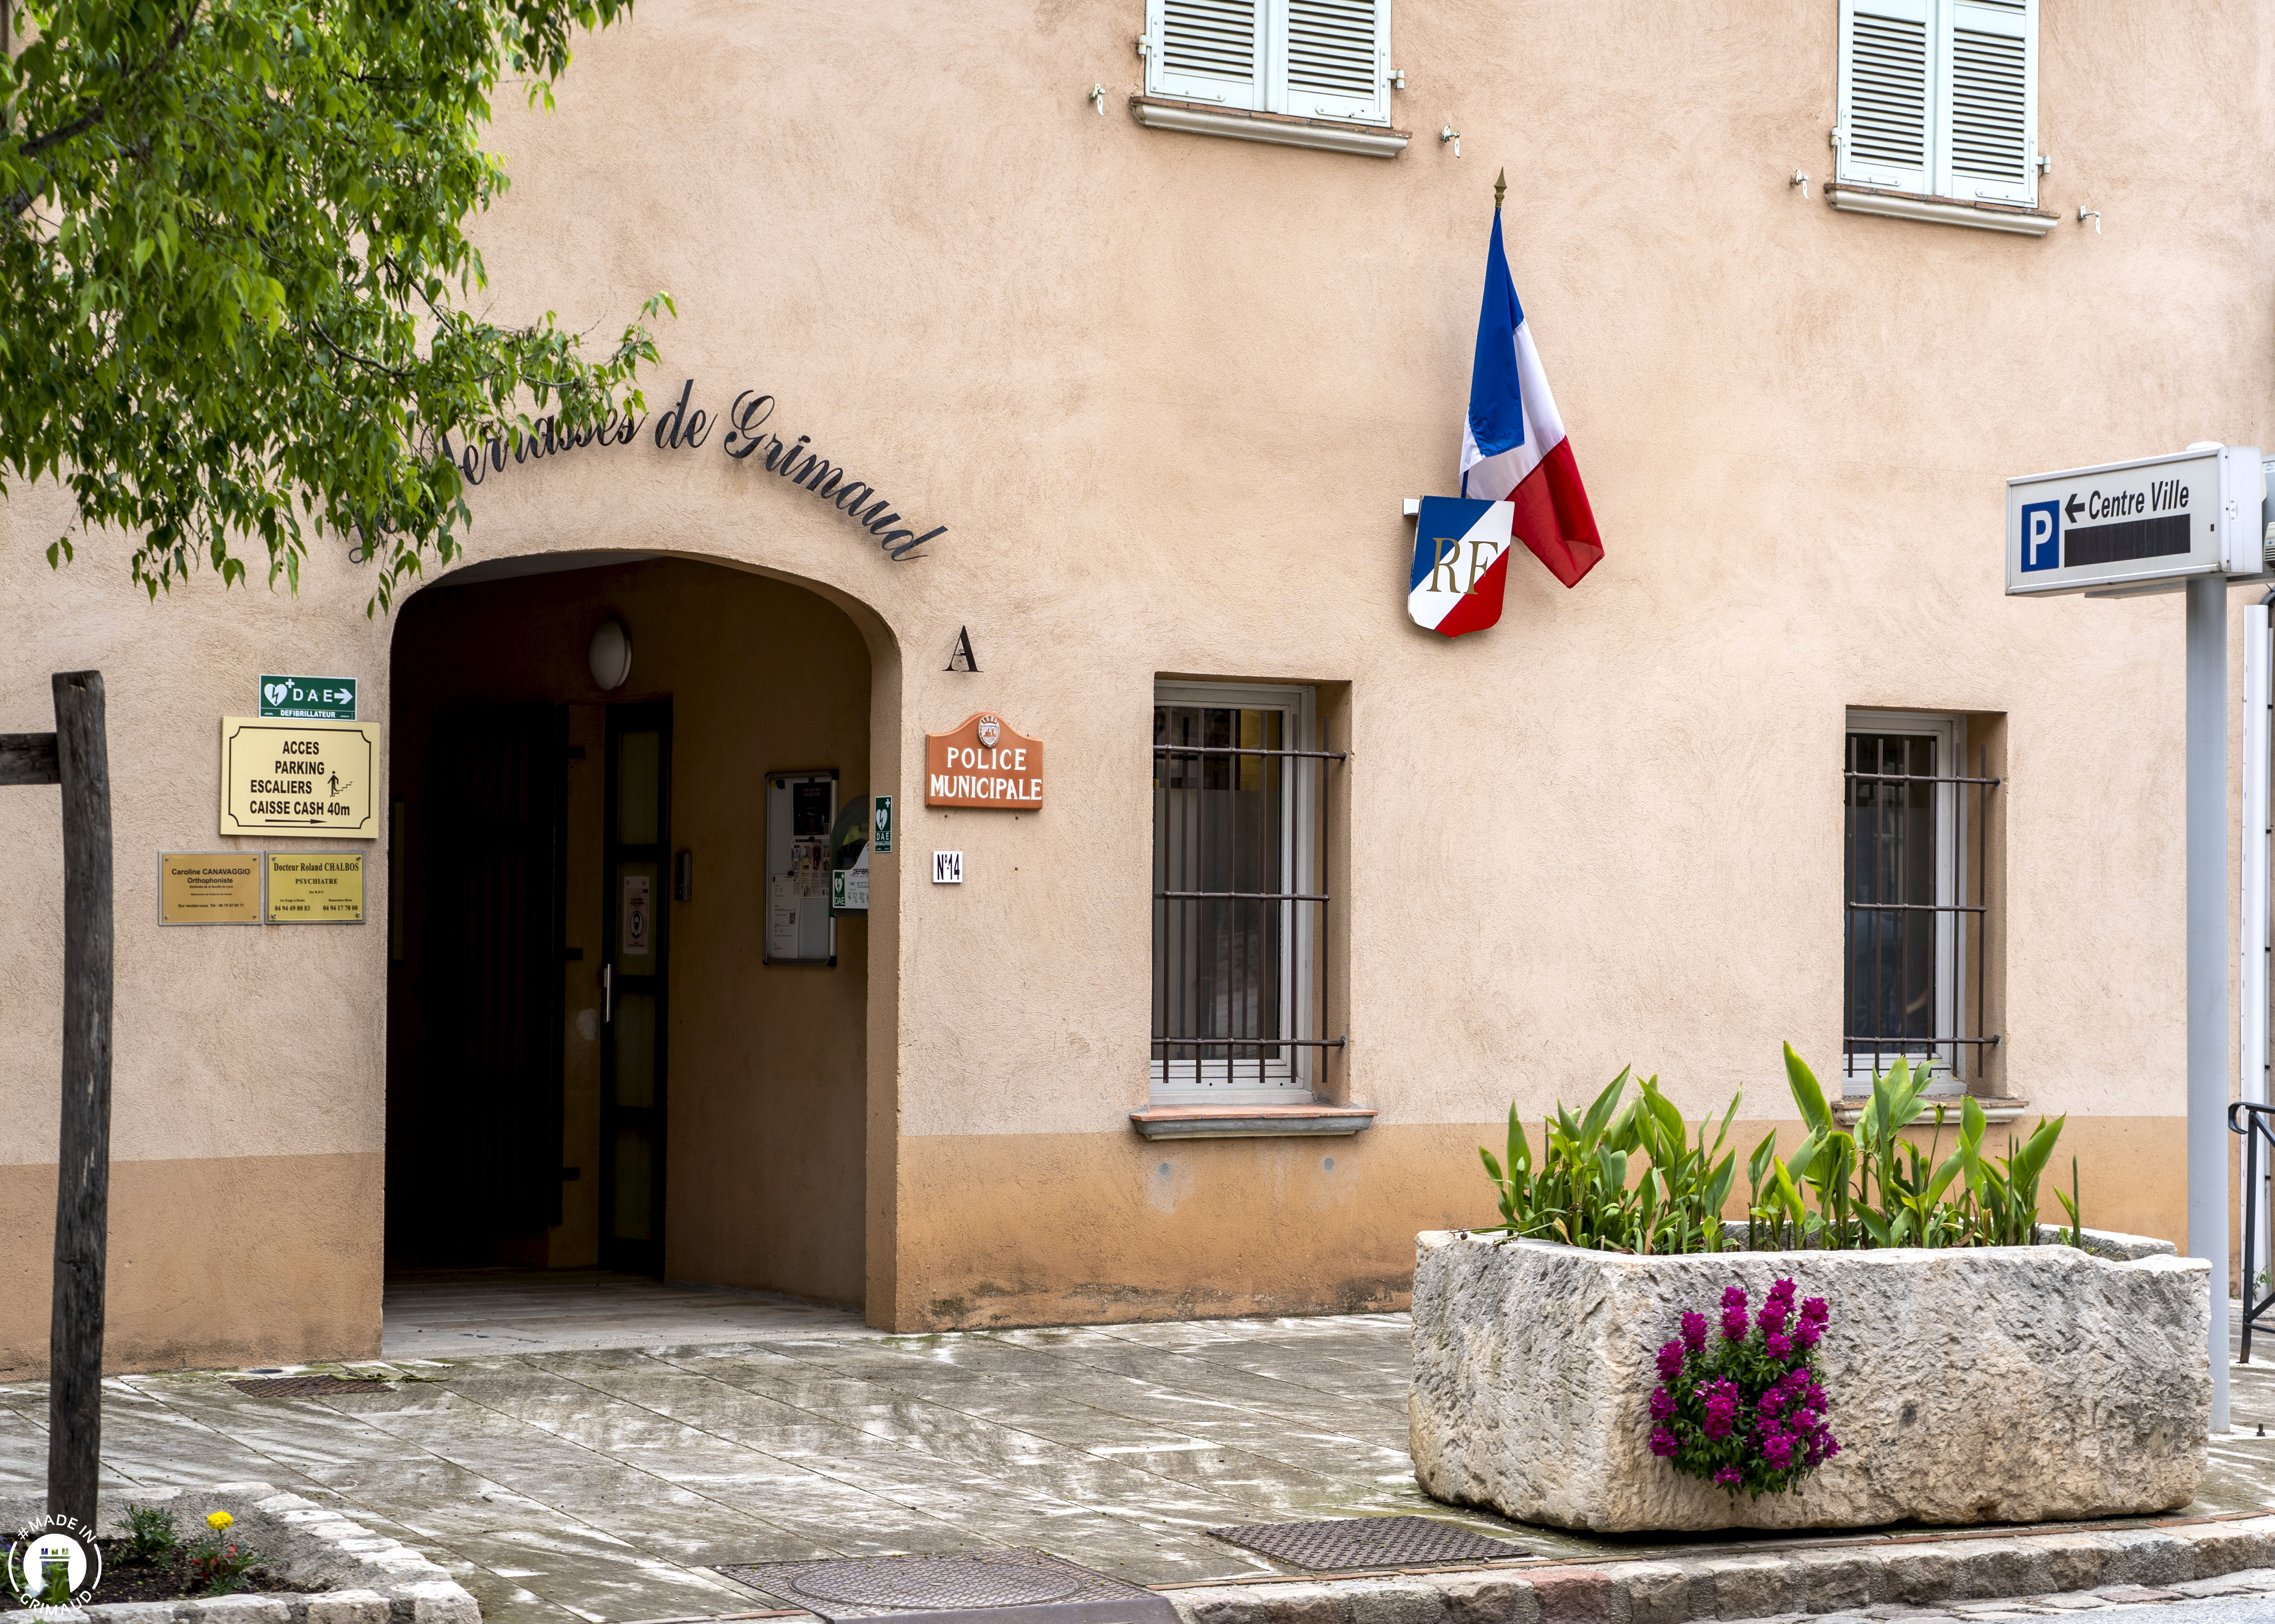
pixel 1941 210
pixel 1995 1108
pixel 1250 1122
pixel 1326 134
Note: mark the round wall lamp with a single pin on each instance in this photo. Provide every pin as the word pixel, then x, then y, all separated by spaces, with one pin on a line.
pixel 611 654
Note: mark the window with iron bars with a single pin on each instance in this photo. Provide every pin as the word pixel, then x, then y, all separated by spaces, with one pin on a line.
pixel 1917 903
pixel 1240 813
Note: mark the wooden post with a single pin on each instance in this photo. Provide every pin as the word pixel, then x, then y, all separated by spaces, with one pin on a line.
pixel 83 1174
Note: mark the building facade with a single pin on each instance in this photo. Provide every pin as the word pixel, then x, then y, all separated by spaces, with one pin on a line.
pixel 1144 351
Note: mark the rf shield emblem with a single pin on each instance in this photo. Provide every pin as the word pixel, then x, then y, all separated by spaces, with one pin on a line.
pixel 990 730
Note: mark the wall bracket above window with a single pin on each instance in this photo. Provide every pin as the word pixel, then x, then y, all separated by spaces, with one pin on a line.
pixel 1325 134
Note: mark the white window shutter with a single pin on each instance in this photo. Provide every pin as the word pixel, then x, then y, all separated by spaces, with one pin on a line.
pixel 1206 50
pixel 1887 84
pixel 1331 59
pixel 1987 125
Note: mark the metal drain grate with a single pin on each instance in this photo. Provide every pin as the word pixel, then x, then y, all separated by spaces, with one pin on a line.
pixel 308 1386
pixel 1345 1542
pixel 1001 1586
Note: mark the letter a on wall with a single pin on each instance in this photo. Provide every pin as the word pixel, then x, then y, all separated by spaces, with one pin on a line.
pixel 1461 563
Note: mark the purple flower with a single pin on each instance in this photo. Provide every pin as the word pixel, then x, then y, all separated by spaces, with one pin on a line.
pixel 1778 1345
pixel 1783 1292
pixel 1721 1408
pixel 1796 1379
pixel 1770 1403
pixel 1807 1332
pixel 1773 1315
pixel 1694 1332
pixel 1662 1404
pixel 1728 1477
pixel 1670 1362
pixel 1777 1449
pixel 1733 1324
pixel 1662 1442
pixel 1733 1296
pixel 1814 1310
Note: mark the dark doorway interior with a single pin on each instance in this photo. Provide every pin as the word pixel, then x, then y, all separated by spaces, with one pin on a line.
pixel 474 1128
pixel 584 1031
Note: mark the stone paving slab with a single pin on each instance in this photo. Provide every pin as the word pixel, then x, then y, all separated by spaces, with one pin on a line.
pixel 565 1466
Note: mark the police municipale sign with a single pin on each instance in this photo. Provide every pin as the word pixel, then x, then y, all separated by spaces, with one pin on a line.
pixel 2154 518
pixel 983 763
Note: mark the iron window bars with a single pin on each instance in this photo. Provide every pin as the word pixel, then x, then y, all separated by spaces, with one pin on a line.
pixel 1906 922
pixel 1240 939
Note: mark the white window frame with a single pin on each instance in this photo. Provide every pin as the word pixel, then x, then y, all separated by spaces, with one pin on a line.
pixel 1284 1081
pixel 1267 89
pixel 1949 732
pixel 1942 20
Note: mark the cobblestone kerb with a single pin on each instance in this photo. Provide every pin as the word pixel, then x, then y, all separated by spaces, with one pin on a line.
pixel 344 1573
pixel 1827 1577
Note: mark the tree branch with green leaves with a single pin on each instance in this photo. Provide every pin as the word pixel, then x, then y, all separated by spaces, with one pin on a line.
pixel 235 278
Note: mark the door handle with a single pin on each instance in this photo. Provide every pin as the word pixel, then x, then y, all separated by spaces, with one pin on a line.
pixel 608 993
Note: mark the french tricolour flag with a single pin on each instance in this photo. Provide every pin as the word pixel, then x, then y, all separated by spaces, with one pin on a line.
pixel 1513 445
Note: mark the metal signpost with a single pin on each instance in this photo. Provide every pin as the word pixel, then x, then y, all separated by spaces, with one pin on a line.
pixel 2168 524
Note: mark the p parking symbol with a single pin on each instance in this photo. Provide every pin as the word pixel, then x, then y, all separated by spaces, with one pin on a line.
pixel 2040 536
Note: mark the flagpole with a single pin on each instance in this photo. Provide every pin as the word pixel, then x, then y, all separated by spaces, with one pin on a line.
pixel 1500 189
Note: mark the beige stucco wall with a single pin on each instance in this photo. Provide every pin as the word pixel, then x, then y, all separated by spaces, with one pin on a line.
pixel 1166 392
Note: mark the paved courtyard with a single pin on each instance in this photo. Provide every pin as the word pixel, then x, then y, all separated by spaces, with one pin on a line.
pixel 588 1447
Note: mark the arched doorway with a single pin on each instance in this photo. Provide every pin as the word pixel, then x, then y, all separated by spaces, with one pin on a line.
pixel 626 1027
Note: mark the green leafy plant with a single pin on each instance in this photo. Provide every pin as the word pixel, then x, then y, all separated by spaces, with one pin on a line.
pixel 2008 1190
pixel 1630 1177
pixel 217 1562
pixel 1579 1192
pixel 150 1532
pixel 2074 1235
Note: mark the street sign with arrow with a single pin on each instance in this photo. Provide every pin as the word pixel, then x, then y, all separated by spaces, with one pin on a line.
pixel 2136 524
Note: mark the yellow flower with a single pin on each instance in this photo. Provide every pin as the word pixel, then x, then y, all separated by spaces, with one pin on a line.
pixel 219 1520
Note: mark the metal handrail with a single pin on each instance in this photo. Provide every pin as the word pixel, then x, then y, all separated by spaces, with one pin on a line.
pixel 2260 1125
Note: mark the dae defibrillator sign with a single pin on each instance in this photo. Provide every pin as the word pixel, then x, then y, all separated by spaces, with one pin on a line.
pixel 2130 524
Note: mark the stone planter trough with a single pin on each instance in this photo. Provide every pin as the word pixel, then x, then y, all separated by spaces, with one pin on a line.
pixel 1992 1385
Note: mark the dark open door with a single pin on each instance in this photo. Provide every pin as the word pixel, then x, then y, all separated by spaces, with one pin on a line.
pixel 634 860
pixel 488 1128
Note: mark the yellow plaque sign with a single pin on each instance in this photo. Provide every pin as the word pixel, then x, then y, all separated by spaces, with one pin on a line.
pixel 208 887
pixel 316 888
pixel 298 778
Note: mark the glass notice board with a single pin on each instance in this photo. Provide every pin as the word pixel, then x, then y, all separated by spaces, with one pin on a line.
pixel 800 808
